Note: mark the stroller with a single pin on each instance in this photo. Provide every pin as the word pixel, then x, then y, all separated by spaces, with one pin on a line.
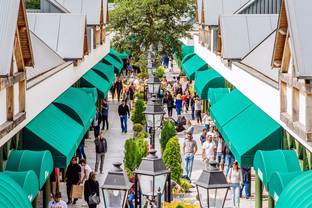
pixel 179 123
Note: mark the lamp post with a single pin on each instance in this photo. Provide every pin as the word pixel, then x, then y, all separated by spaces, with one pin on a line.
pixel 115 188
pixel 154 114
pixel 152 176
pixel 212 187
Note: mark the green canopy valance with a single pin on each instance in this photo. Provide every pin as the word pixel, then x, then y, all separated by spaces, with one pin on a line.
pixel 55 131
pixel 27 180
pixel 115 61
pixel 11 193
pixel 92 92
pixel 207 79
pixel 41 163
pixel 77 104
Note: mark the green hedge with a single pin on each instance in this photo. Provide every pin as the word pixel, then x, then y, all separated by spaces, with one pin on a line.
pixel 168 131
pixel 138 116
pixel 172 158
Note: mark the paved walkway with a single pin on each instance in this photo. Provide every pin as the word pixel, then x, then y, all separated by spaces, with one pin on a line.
pixel 115 153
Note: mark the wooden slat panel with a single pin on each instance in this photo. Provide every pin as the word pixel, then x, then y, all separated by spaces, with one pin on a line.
pixel 22 95
pixel 286 57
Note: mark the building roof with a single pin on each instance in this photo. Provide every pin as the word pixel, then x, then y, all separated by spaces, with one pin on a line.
pixel 261 7
pixel 8 22
pixel 299 27
pixel 45 58
pixel 214 8
pixel 242 33
pixel 91 8
pixel 64 33
pixel 263 64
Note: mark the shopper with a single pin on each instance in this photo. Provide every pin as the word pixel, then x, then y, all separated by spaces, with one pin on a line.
pixel 170 104
pixel 235 180
pixel 97 123
pixel 72 177
pixel 189 151
pixel 80 151
pixel 131 92
pixel 207 120
pixel 246 172
pixel 113 91
pixel 208 150
pixel 100 149
pixel 228 160
pixel 203 136
pixel 92 191
pixel 198 107
pixel 118 87
pixel 124 113
pixel 105 109
pixel 178 104
pixel 190 127
pixel 86 170
pixel 193 107
pixel 57 201
pixel 220 152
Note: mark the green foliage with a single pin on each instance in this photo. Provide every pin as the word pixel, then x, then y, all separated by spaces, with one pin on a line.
pixel 179 206
pixel 172 158
pixel 168 131
pixel 32 4
pixel 160 71
pixel 185 185
pixel 137 128
pixel 135 149
pixel 138 23
pixel 138 116
pixel 142 134
pixel 140 95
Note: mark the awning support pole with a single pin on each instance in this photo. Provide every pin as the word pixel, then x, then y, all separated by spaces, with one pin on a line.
pixel 258 192
pixel 46 193
pixel 270 202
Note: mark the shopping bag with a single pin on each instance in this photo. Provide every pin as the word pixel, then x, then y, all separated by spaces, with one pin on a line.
pixel 77 191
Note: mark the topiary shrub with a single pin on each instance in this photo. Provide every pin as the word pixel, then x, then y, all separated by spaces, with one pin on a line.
pixel 142 135
pixel 185 185
pixel 168 131
pixel 172 158
pixel 138 116
pixel 137 128
pixel 160 72
pixel 135 149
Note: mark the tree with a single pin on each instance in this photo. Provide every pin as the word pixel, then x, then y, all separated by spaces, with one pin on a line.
pixel 172 158
pixel 168 131
pixel 138 23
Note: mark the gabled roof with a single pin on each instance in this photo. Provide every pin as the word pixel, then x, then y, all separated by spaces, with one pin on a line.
pixel 12 16
pixel 263 64
pixel 45 58
pixel 299 16
pixel 214 8
pixel 64 33
pixel 242 33
pixel 91 8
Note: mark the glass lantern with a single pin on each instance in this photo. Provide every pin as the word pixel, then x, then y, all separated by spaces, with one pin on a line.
pixel 154 113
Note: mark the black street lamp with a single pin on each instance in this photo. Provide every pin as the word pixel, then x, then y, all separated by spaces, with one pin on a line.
pixel 154 114
pixel 152 176
pixel 115 188
pixel 212 187
pixel 153 85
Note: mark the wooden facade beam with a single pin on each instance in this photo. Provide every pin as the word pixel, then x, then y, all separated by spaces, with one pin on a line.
pixel 11 80
pixel 10 125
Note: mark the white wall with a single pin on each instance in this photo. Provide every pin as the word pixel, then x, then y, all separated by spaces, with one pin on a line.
pixel 302 109
pixel 41 95
pixel 262 94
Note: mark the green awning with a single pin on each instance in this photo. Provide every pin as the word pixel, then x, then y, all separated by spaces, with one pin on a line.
pixel 55 131
pixel 115 61
pixel 92 92
pixel 279 181
pixel 267 162
pixel 298 192
pixel 27 180
pixel 216 94
pixel 11 194
pixel 123 55
pixel 207 79
pixel 41 163
pixel 92 79
pixel 229 107
pixel 249 131
pixel 77 104
pixel 192 63
pixel 106 71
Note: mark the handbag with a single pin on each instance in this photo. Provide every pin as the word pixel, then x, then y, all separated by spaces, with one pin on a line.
pixel 94 199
